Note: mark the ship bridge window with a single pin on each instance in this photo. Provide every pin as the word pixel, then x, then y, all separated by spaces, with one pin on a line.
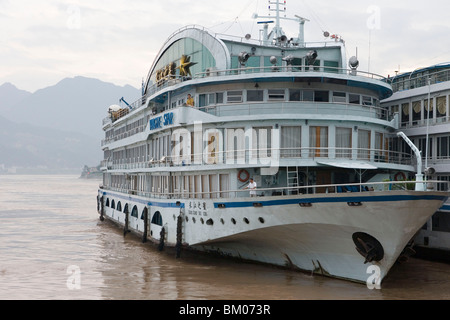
pixel 339 97
pixel 332 66
pixel 301 95
pixel 234 96
pixel 308 95
pixel 276 94
pixel 367 101
pixel 354 99
pixel 255 95
pixel 321 96
pixel 295 95
pixel 157 219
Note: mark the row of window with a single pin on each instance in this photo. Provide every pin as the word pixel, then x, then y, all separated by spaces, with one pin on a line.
pixel 419 110
pixel 306 95
pixel 229 144
pixel 156 219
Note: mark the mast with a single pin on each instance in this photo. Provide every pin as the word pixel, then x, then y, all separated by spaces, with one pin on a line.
pixel 279 35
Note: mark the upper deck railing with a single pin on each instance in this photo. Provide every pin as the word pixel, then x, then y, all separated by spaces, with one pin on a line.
pixel 414 81
pixel 212 74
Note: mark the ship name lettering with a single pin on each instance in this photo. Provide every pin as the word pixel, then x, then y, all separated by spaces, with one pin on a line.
pixel 161 121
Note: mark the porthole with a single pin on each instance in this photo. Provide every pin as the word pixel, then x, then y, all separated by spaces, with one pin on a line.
pixel 233 220
pixel 202 221
pixel 193 220
pixel 246 221
pixel 261 220
pixel 187 219
pixel 210 222
pixel 221 220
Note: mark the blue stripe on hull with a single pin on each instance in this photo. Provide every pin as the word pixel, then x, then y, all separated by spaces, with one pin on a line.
pixel 331 200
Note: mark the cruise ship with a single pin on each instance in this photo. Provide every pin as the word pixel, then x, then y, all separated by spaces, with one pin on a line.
pixel 421 97
pixel 273 150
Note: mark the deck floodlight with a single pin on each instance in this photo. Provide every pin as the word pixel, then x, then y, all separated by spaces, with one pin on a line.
pixel 353 62
pixel 243 57
pixel 311 57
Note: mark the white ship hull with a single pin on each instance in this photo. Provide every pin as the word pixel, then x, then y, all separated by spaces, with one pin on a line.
pixel 316 236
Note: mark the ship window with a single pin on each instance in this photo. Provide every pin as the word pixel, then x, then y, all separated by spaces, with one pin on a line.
pixel 297 64
pixel 318 141
pixel 157 219
pixel 441 106
pixel 255 95
pixel 379 146
pixel 416 108
pixel 294 95
pixel 332 66
pixel 291 142
pixel 107 202
pixel 219 97
pixel 119 206
pixel 113 204
pixel 308 95
pixel 254 62
pixel 339 97
pixel 354 99
pixel 443 148
pixel 364 144
pixel 366 101
pixel 276 94
pixel 134 212
pixel 321 96
pixel 343 142
pixel 405 112
pixel 234 96
pixel 202 100
pixel 144 213
pixel 261 142
pixel 429 109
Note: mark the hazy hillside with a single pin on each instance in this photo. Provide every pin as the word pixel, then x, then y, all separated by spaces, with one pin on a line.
pixel 74 104
pixel 32 148
pixel 57 127
pixel 10 96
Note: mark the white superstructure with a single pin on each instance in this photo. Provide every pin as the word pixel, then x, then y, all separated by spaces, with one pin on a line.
pixel 421 98
pixel 309 129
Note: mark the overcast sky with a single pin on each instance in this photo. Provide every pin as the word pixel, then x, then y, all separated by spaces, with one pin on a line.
pixel 45 41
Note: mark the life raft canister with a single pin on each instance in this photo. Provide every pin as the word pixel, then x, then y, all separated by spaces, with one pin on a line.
pixel 243 175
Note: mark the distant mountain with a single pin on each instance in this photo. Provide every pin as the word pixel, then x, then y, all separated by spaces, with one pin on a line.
pixel 57 127
pixel 34 148
pixel 74 104
pixel 10 96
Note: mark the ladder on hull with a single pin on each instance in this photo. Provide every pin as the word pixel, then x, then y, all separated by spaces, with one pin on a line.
pixel 292 178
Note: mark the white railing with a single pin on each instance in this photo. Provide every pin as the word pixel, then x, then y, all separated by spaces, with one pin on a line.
pixel 367 188
pixel 265 157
